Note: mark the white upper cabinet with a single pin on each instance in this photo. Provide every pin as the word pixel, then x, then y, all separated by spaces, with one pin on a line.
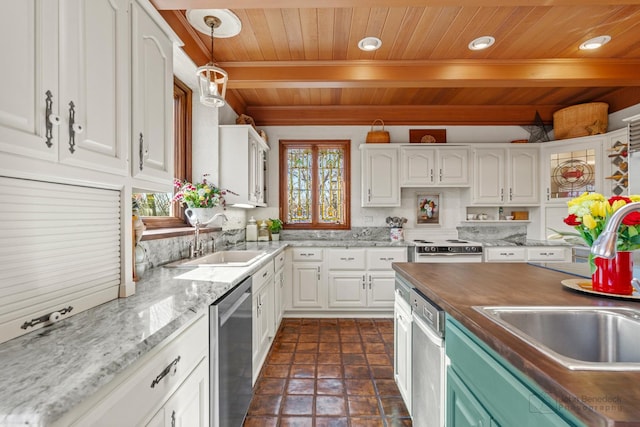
pixel 93 101
pixel 65 94
pixel 379 176
pixel 428 166
pixel 242 161
pixel 506 176
pixel 152 96
pixel 29 48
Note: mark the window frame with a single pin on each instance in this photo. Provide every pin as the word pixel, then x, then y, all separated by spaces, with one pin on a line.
pixel 284 144
pixel 182 164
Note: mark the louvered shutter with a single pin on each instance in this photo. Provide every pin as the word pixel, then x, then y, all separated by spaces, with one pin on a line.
pixel 59 248
pixel 634 135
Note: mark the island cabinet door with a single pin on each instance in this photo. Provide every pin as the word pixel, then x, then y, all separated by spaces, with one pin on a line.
pixel 463 409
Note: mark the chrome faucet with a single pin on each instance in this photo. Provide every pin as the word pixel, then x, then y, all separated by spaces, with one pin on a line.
pixel 196 248
pixel 605 244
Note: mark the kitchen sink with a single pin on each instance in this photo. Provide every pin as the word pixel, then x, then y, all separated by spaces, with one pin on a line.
pixel 589 338
pixel 221 258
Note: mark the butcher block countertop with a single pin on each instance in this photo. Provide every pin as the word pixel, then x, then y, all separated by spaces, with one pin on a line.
pixel 599 398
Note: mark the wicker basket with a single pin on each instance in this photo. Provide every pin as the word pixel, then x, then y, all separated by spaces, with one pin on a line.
pixel 581 120
pixel 378 135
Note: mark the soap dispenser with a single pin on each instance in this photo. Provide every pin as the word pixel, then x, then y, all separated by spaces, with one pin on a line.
pixel 252 230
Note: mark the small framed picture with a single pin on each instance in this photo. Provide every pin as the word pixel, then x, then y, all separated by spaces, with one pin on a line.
pixel 428 209
pixel 427 135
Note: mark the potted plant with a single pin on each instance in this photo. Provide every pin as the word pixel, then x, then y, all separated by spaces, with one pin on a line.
pixel 275 225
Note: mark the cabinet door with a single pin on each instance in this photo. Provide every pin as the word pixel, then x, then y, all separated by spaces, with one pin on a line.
pixel 347 289
pixel 254 154
pixel 278 288
pixel 488 175
pixel 418 166
pixel 189 405
pixel 263 323
pixel 94 74
pixel 152 100
pixel 402 352
pixel 523 177
pixel 463 409
pixel 380 182
pixel 453 167
pixel 29 34
pixel 306 285
pixel 380 289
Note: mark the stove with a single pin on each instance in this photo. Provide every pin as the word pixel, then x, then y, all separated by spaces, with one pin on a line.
pixel 450 250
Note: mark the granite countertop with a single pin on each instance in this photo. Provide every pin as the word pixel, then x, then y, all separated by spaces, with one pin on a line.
pixel 47 372
pixel 456 288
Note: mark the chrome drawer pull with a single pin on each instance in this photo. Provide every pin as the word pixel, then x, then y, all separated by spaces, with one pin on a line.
pixel 165 371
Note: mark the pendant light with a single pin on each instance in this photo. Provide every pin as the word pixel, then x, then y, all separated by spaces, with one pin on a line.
pixel 212 79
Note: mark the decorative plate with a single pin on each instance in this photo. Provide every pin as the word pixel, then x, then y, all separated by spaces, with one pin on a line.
pixel 584 285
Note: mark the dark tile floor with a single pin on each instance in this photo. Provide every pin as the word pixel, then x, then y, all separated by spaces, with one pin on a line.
pixel 329 372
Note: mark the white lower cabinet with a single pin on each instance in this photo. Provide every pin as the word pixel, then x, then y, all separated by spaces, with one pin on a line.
pixel 306 280
pixel 189 405
pixel 171 382
pixel 362 277
pixel 528 253
pixel 263 315
pixel 402 350
pixel 278 286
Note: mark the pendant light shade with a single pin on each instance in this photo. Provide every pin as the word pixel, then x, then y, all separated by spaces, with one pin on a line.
pixel 212 80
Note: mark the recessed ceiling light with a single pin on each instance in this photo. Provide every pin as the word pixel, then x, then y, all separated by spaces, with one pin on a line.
pixel 370 43
pixel 482 43
pixel 595 43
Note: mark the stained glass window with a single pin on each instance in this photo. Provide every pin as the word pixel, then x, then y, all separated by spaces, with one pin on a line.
pixel 315 184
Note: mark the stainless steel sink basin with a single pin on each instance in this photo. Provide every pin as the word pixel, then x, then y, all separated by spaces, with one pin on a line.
pixel 591 338
pixel 221 258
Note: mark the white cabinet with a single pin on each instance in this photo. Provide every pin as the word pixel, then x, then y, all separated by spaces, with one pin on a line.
pixel 379 176
pixel 279 287
pixel 549 253
pixel 262 289
pixel 505 254
pixel 506 176
pixel 427 166
pixel 361 278
pixel 28 31
pixel 307 282
pixel 242 163
pixel 402 349
pixel 152 100
pixel 188 406
pixel 94 70
pixel 173 379
pixel 65 95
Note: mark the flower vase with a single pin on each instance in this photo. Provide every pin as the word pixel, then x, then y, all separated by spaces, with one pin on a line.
pixel 202 215
pixel 613 276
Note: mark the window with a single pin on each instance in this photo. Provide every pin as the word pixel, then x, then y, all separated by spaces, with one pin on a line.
pixel 315 184
pixel 156 209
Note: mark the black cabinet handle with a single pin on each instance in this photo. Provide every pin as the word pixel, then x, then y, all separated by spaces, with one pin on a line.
pixel 165 372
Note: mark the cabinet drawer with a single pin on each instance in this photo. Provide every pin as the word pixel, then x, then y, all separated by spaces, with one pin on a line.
pixel 514 254
pixel 346 259
pixel 381 258
pixel 140 391
pixel 262 276
pixel 278 261
pixel 306 254
pixel 546 253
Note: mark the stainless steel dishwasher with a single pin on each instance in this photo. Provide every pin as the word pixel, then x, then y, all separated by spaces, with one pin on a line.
pixel 427 362
pixel 230 356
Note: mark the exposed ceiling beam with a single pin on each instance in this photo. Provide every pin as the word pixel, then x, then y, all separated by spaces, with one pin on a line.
pixel 440 74
pixel 296 4
pixel 495 115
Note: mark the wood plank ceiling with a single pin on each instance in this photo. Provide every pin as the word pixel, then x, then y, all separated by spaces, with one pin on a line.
pixel 300 66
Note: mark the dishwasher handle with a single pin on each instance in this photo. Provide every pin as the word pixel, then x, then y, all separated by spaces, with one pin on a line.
pixel 227 314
